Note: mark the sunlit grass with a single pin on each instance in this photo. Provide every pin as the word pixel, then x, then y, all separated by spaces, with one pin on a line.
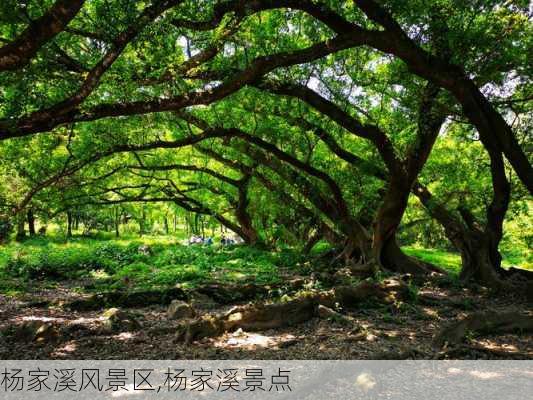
pixel 451 262
pixel 121 263
pixel 111 263
pixel 519 258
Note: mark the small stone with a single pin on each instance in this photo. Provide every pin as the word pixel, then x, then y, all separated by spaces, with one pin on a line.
pixel 37 331
pixel 179 309
pixel 238 332
pixel 328 313
pixel 117 320
pixel 371 338
pixel 46 333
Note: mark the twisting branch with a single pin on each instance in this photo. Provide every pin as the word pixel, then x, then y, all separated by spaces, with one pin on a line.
pixel 19 52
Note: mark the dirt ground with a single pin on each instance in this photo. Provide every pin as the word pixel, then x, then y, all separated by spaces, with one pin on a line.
pixel 384 332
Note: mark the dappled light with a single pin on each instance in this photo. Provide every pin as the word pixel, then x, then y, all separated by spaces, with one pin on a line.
pixel 251 341
pixel 365 381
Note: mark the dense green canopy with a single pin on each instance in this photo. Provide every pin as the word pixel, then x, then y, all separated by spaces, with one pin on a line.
pixel 357 122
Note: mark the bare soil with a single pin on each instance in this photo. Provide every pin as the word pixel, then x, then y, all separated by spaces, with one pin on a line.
pixel 399 331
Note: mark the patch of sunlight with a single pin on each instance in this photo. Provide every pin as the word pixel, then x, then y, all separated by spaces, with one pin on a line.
pixel 490 345
pixel 455 371
pixel 251 341
pixel 99 274
pixel 447 260
pixel 485 374
pixel 236 276
pixel 43 319
pixel 124 336
pixel 430 313
pixel 83 320
pixel 365 381
pixel 393 334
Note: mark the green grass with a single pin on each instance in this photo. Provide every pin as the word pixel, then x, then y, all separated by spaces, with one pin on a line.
pixel 113 264
pixel 118 263
pixel 518 257
pixel 451 262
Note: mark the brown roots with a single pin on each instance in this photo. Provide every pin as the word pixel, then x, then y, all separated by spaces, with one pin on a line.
pixel 484 323
pixel 277 315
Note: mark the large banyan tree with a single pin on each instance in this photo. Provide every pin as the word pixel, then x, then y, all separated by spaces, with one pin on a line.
pixel 316 117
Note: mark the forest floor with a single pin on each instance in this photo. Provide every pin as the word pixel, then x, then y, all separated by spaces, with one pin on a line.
pixel 36 320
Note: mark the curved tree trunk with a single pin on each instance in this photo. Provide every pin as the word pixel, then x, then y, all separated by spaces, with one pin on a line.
pixel 251 237
pixel 480 257
pixel 477 263
pixel 385 248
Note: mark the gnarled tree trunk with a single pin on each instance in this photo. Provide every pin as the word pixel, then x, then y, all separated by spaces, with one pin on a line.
pixel 477 262
pixel 385 249
pixel 248 232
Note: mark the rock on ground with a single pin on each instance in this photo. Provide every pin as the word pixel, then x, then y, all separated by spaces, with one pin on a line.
pixel 179 309
pixel 117 320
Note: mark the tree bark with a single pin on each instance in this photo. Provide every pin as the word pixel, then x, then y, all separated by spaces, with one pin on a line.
pixel 251 237
pixel 31 222
pixel 165 223
pixel 117 222
pixel 388 218
pixel 21 233
pixel 69 224
pixel 19 52
pixel 478 247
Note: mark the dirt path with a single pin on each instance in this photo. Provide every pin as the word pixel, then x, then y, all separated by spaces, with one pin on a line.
pixel 403 331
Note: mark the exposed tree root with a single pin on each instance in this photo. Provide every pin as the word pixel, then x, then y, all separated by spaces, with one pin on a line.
pixel 394 259
pixel 355 269
pixel 389 291
pixel 432 300
pixel 127 299
pixel 483 323
pixel 278 315
pixel 228 294
pixel 251 317
pixel 221 294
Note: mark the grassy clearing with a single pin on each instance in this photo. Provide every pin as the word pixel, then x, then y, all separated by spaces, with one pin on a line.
pixel 147 262
pixel 451 262
pixel 161 261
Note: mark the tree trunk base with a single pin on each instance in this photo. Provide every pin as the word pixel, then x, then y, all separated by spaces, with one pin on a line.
pixel 394 259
